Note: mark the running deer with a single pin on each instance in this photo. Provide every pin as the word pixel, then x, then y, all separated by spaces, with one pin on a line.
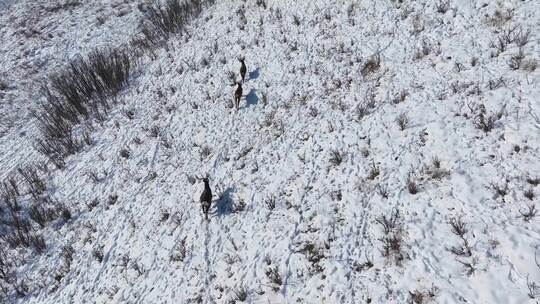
pixel 238 95
pixel 206 197
pixel 243 68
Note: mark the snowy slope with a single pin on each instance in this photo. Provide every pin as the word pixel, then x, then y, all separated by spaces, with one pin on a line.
pixel 137 233
pixel 5 3
pixel 38 38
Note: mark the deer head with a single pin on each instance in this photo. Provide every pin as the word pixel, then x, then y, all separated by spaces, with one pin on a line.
pixel 205 178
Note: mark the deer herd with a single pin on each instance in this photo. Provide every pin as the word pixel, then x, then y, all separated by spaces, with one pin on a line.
pixel 238 92
pixel 206 196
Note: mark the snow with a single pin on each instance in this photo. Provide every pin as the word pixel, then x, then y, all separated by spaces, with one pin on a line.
pixel 280 149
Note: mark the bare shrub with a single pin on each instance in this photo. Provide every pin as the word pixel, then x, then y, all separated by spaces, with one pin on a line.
pixel 6 271
pixel 21 287
pixel 362 266
pixel 436 162
pixel 402 121
pixel 205 152
pixel 374 171
pixel 239 206
pixel 41 215
pixel 535 181
pixel 501 190
pixel 529 65
pixel 231 258
pixel 36 186
pixel 486 121
pixel 264 99
pixel 161 21
pixel 534 289
pixel 529 213
pixel 112 68
pixel 231 78
pixel 417 24
pixel 57 139
pixel 314 254
pixel 459 228
pixel 371 65
pixel 500 44
pixel 383 190
pixel 400 97
pixel 515 61
pixel 423 296
pixel 393 234
pixel 361 111
pixel 124 152
pixel 368 104
pixel 459 66
pixel 389 223
pixel 94 203
pixel 67 255
pixel 8 195
pixel 296 20
pixel 64 211
pixel 499 18
pixel 11 183
pixel 370 98
pixel 424 50
pixel 411 183
pixel 529 194
pixel 313 112
pixel 38 242
pixel 179 251
pixel 86 82
pixel 521 36
pixel 261 3
pixel 463 250
pixel 21 235
pixel 469 267
pixel 272 273
pixel 435 171
pixel 240 294
pixel 113 198
pixel 336 157
pixel 336 195
pixel 75 94
pixel 270 202
pixel 97 253
pixel 442 6
pixel 496 83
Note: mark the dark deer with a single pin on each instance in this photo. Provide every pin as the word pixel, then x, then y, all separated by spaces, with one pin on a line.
pixel 238 96
pixel 243 69
pixel 206 197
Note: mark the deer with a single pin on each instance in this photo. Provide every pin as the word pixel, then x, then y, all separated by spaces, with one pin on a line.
pixel 206 197
pixel 243 68
pixel 238 95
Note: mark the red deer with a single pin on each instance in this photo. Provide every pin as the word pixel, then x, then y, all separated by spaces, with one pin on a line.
pixel 238 96
pixel 243 69
pixel 206 197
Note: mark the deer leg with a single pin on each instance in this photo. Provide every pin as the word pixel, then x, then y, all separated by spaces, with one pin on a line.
pixel 205 208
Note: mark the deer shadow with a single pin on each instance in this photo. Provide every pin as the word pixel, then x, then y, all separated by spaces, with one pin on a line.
pixel 254 74
pixel 224 204
pixel 251 98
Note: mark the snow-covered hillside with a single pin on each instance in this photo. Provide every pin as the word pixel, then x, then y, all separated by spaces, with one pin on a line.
pixel 383 152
